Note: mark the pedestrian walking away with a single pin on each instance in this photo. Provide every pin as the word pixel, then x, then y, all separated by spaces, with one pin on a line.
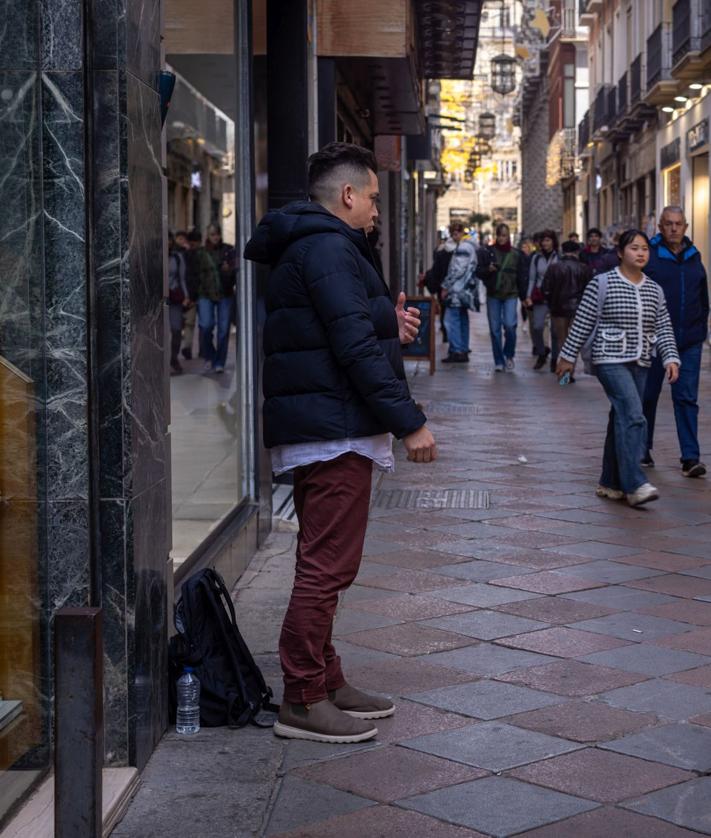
pixel 178 299
pixel 563 286
pixel 535 301
pixel 335 390
pixel 675 264
pixel 191 244
pixel 459 294
pixel 624 314
pixel 502 269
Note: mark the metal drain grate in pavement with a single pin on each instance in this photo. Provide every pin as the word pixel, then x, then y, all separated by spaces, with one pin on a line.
pixel 452 409
pixel 430 499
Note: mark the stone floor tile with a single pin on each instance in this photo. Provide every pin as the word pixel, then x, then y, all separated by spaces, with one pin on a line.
pixel 408 581
pixel 554 610
pixel 542 559
pixel 486 699
pixel 572 678
pixel 668 700
pixel 300 802
pixel 607 823
pixel 387 774
pixel 547 582
pixel 583 721
pixel 698 640
pixel 662 561
pixel 408 607
pixel 360 593
pixel 604 776
pixel 495 746
pixel 633 626
pixel 682 745
pixel 686 805
pixel 683 610
pixel 382 822
pixel 562 642
pixel 485 625
pixel 700 677
pixel 611 573
pixel 404 676
pixel 480 571
pixel 487 659
pixel 646 659
pixel 703 719
pixel 415 558
pixel 498 806
pixel 300 752
pixel 411 719
pixel 592 550
pixel 409 639
pixel 482 595
pixel 348 621
pixel 620 598
pixel 675 584
pixel 531 538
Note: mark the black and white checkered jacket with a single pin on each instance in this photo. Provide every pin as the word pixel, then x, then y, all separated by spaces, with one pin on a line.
pixel 634 325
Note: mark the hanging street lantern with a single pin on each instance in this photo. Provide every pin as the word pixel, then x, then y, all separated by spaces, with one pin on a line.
pixel 482 146
pixel 487 125
pixel 503 74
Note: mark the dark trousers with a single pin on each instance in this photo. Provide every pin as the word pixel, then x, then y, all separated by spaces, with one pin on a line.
pixel 331 500
pixel 685 394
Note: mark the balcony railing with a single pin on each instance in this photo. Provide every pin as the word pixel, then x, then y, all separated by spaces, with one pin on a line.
pixel 584 132
pixel 705 24
pixel 569 18
pixel 622 97
pixel 658 55
pixel 636 80
pixel 681 30
pixel 601 108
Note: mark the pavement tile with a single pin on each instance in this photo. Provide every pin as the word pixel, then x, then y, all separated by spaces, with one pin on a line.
pixel 415 558
pixel 703 719
pixel 387 774
pixel 485 625
pixel 608 823
pixel 404 676
pixel 482 595
pixel 583 721
pixel 412 719
pixel 570 677
pixel 289 811
pixel 348 621
pixel 668 700
pixel 592 550
pixel 486 699
pixel 487 659
pixel 683 745
pixel 646 659
pixel 620 598
pixel 698 641
pixel 300 752
pixel 408 580
pixel 542 560
pixel 562 642
pixel 547 582
pixel 498 806
pixel 554 610
pixel 685 805
pixel 700 677
pixel 604 776
pixel 632 626
pixel 493 745
pixel 531 538
pixel 480 570
pixel 611 573
pixel 409 639
pixel 408 607
pixel 698 572
pixel 662 561
pixel 382 822
pixel 675 584
pixel 684 610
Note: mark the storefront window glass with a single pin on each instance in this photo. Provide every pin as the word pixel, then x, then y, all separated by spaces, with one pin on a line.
pixel 672 186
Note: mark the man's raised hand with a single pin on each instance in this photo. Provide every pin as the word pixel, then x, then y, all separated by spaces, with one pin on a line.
pixel 408 320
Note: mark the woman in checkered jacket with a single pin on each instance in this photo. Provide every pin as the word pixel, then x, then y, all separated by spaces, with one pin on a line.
pixel 631 326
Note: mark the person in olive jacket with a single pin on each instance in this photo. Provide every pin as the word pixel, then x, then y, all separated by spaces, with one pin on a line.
pixel 334 390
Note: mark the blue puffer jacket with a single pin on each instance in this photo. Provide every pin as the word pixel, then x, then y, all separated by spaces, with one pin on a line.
pixel 333 363
pixel 683 279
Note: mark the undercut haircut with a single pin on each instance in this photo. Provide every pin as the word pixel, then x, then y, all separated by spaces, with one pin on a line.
pixel 335 165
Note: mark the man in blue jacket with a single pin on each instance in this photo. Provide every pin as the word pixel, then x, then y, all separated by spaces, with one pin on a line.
pixel 334 392
pixel 676 265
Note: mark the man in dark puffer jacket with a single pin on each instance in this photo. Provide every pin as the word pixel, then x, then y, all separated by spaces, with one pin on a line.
pixel 335 389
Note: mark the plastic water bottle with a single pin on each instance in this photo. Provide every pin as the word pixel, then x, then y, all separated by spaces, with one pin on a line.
pixel 187 720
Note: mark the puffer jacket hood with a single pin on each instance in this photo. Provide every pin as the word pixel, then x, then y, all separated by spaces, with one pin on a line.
pixel 281 228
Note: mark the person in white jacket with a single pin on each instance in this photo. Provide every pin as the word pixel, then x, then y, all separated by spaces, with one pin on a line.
pixel 459 294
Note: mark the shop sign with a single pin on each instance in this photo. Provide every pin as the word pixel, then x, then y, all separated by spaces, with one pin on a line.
pixel 670 153
pixel 698 135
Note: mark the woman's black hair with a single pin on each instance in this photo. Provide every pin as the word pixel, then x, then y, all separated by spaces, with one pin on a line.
pixel 628 237
pixel 552 235
pixel 502 225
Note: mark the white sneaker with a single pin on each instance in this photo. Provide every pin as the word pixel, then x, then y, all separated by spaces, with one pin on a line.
pixel 607 492
pixel 510 364
pixel 644 494
pixel 207 366
pixel 499 368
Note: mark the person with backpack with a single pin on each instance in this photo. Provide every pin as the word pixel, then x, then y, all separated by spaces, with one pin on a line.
pixel 624 320
pixel 335 390
pixel 459 294
pixel 535 299
pixel 502 269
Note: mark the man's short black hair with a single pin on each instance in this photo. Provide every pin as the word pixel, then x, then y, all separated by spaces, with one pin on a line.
pixel 337 164
pixel 181 233
pixel 194 236
pixel 594 231
pixel 570 247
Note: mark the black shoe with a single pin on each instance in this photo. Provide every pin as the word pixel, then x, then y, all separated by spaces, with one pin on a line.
pixel 187 354
pixel 647 461
pixel 456 358
pixel 571 380
pixel 693 468
pixel 175 366
pixel 540 362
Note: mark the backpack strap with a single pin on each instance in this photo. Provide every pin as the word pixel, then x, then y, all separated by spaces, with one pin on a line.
pixel 602 283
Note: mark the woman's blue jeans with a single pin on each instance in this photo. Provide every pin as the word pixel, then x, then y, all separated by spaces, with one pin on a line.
pixel 626 439
pixel 456 322
pixel 209 313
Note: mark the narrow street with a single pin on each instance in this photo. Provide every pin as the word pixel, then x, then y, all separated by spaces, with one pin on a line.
pixel 550 652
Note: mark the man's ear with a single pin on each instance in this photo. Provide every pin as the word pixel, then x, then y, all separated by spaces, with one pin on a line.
pixel 347 196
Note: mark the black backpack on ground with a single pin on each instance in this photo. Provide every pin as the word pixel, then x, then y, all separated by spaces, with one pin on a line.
pixel 232 689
